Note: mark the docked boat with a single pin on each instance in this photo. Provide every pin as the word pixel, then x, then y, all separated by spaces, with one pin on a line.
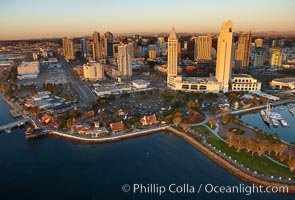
pixel 265 115
pixel 281 107
pixel 29 131
pixel 262 113
pixel 291 108
pixel 275 115
pixel 275 122
pixel 8 130
pixel 284 123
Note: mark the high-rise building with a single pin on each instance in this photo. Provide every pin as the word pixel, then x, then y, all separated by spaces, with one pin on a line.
pixel 203 48
pixel 115 49
pixel 172 54
pixel 68 48
pixel 132 49
pixel 223 62
pixel 96 46
pixel 83 47
pixel 152 54
pixel 276 57
pixel 243 52
pixel 258 57
pixel 179 49
pixel 124 60
pixel 162 45
pixel 93 71
pixel 259 42
pixel 185 45
pixel 108 44
pixel 160 41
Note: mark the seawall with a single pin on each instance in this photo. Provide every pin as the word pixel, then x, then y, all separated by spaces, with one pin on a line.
pixel 231 168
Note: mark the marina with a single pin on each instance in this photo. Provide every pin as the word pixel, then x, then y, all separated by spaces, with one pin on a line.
pixel 281 113
pixel 272 116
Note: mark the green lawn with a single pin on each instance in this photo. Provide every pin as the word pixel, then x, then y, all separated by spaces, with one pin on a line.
pixel 261 164
pixel 202 130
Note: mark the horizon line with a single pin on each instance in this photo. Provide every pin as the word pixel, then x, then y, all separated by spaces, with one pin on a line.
pixel 292 32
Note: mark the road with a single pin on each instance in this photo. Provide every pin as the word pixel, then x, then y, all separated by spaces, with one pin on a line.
pixel 82 89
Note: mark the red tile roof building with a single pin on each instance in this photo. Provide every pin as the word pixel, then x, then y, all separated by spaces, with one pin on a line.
pixel 148 120
pixel 117 126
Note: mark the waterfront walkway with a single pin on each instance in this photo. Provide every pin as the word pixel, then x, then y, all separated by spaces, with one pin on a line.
pixel 215 133
pixel 111 138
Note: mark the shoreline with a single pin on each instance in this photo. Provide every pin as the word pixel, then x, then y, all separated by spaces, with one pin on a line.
pixel 248 178
pixel 106 139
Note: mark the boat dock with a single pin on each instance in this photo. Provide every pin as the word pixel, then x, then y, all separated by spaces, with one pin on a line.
pixel 36 134
pixel 14 124
pixel 259 107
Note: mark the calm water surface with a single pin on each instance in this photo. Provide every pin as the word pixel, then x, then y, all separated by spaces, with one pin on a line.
pixel 285 133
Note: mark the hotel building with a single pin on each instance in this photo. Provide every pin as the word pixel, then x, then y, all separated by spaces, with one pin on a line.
pixel 124 60
pixel 203 48
pixel 93 71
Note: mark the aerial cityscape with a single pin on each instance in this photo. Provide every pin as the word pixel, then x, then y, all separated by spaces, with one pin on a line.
pixel 147 100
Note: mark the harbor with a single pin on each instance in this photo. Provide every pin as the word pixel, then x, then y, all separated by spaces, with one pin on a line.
pixel 277 119
pixel 272 116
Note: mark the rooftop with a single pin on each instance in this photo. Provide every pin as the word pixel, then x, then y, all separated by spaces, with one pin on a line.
pixel 29 64
pixel 241 76
pixel 139 82
pixel 285 80
pixel 201 80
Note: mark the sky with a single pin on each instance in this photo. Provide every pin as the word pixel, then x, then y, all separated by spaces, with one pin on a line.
pixel 27 19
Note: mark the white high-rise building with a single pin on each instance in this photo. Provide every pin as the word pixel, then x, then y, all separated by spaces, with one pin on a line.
pixel 124 60
pixel 93 71
pixel 203 48
pixel 172 54
pixel 224 51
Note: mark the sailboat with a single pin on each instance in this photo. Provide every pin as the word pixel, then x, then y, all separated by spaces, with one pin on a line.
pixel 265 114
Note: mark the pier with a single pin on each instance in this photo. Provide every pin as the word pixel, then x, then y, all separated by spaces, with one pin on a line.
pixel 14 124
pixel 36 134
pixel 276 103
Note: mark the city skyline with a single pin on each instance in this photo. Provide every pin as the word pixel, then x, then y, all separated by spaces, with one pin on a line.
pixel 34 19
